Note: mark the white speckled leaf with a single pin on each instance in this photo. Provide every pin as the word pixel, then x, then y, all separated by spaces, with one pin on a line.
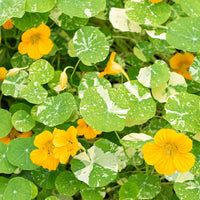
pixel 22 188
pixel 55 110
pixel 183 112
pixel 104 109
pixel 67 22
pixel 39 5
pixel 136 140
pixel 192 8
pixel 44 178
pixel 18 60
pixel 5 166
pixel 19 151
pixel 154 75
pixel 5 123
pixel 90 44
pixel 98 166
pixel 22 121
pixel 81 8
pixel 41 71
pixel 34 93
pixel 91 79
pixel 180 177
pixel 149 185
pixel 13 85
pixel 67 184
pixel 89 193
pixel 148 13
pixel 175 85
pixel 11 8
pixel 188 190
pixel 119 20
pixel 195 69
pixel 141 104
pixel 184 33
pixel 30 20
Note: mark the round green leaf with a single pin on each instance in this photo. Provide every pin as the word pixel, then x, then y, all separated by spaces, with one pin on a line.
pixel 88 193
pixel 13 85
pixel 18 188
pixel 34 93
pixel 145 12
pixel 195 69
pixel 41 71
pixel 97 167
pixel 18 60
pixel 154 75
pixel 149 185
pixel 19 106
pixel 179 36
pixel 175 85
pixel 5 123
pixel 67 184
pixel 3 184
pixel 55 110
pixel 104 109
pixel 22 121
pixel 30 20
pixel 81 8
pixel 188 189
pixel 192 8
pixel 39 5
pixel 11 8
pixel 34 190
pixel 90 44
pixel 141 104
pixel 91 79
pixel 44 178
pixel 183 112
pixel 5 166
pixel 165 193
pixel 51 198
pixel 128 191
pixel 67 22
pixel 19 151
pixel 196 151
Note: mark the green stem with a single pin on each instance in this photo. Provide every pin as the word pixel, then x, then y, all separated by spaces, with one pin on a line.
pixel 74 72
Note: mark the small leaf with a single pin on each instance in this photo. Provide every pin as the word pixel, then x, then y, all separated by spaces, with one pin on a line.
pixel 5 123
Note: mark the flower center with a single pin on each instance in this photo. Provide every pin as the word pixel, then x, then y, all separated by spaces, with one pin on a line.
pixel 35 39
pixel 184 68
pixel 49 147
pixel 170 148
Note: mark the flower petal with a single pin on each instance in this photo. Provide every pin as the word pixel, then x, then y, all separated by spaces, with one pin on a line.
pixel 23 47
pixel 6 140
pixel 152 153
pixel 43 139
pixel 62 154
pixel 45 46
pixel 60 137
pixel 34 52
pixel 165 165
pixel 38 156
pixel 44 31
pixel 183 161
pixel 26 36
pixel 51 163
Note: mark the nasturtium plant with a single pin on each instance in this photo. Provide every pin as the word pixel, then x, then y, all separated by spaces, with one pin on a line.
pixel 5 123
pixel 89 88
pixel 90 44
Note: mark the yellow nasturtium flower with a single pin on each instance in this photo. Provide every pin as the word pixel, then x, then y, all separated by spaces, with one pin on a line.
pixel 170 152
pixel 87 131
pixel 44 156
pixel 15 134
pixel 3 72
pixel 156 1
pixel 113 68
pixel 66 144
pixel 181 64
pixel 8 25
pixel 36 42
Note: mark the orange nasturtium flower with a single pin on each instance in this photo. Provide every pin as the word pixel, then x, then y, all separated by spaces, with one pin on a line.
pixel 8 25
pixel 181 64
pixel 66 144
pixel 170 152
pixel 36 42
pixel 87 131
pixel 15 134
pixel 155 1
pixel 113 68
pixel 44 156
pixel 3 72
